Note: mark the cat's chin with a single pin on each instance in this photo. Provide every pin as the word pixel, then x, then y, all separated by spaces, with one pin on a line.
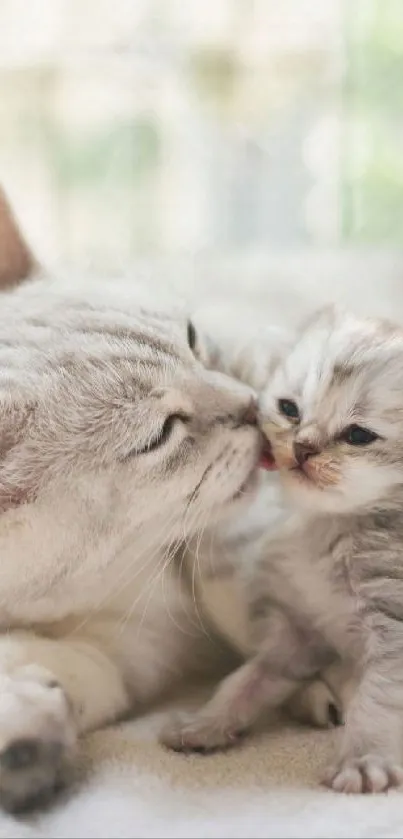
pixel 247 489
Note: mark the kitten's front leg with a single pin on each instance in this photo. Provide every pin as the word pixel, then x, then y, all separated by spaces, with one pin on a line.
pixel 237 703
pixel 263 682
pixel 323 703
pixel 50 692
pixel 369 757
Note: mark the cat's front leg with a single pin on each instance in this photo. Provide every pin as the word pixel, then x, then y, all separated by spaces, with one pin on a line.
pixel 51 691
pixel 370 754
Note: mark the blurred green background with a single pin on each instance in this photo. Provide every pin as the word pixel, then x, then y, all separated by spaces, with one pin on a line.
pixel 141 127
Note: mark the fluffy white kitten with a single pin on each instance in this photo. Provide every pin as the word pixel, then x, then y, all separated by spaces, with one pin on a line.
pixel 327 589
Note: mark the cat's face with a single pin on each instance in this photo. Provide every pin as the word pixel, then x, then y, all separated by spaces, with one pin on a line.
pixel 104 401
pixel 333 413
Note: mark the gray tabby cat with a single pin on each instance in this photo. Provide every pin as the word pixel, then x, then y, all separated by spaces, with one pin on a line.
pixel 116 444
pixel 327 589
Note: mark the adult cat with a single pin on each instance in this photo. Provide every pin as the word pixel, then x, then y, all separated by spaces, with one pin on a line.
pixel 116 444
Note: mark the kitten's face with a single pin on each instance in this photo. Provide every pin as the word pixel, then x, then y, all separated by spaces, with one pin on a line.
pixel 108 403
pixel 333 413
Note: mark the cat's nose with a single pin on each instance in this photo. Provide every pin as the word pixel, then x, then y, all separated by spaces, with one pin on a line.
pixel 303 451
pixel 249 415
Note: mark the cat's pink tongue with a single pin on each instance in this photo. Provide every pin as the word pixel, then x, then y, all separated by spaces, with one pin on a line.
pixel 267 461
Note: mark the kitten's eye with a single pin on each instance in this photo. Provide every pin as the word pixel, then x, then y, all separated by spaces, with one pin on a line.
pixel 354 435
pixel 288 408
pixel 191 335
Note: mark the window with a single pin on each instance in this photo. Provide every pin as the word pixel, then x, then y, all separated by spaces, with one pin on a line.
pixel 162 126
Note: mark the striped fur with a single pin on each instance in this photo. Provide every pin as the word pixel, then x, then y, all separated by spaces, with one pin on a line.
pixel 325 585
pixel 116 444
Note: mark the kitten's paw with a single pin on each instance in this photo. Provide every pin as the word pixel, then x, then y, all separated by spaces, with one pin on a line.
pixel 316 705
pixel 37 737
pixel 197 733
pixel 366 774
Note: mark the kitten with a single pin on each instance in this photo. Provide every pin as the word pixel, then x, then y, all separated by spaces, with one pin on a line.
pixel 244 345
pixel 328 588
pixel 116 444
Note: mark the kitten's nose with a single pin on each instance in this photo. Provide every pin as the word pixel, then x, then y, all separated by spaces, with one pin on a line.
pixel 249 414
pixel 303 451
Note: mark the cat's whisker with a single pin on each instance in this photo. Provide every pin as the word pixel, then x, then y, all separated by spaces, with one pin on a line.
pixel 213 538
pixel 166 600
pixel 189 549
pixel 169 550
pixel 196 567
pixel 124 620
pixel 162 565
pixel 160 549
pixel 183 588
pixel 124 578
pixel 165 562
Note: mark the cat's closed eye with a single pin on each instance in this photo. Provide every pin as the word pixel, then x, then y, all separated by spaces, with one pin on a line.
pixel 164 434
pixel 191 335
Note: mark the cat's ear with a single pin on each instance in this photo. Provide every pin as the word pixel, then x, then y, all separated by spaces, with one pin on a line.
pixel 16 260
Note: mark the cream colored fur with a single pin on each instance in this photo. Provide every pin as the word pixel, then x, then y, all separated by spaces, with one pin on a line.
pixel 97 618
pixel 116 445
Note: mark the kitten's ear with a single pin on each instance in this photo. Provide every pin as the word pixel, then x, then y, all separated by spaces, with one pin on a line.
pixel 325 317
pixel 238 342
pixel 16 260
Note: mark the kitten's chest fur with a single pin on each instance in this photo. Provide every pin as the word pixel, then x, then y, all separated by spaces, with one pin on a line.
pixel 322 572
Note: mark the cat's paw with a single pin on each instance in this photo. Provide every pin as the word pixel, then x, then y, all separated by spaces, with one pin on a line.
pixel 37 737
pixel 365 774
pixel 195 732
pixel 316 705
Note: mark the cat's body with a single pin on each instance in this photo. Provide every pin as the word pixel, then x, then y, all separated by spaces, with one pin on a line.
pixel 116 444
pixel 328 588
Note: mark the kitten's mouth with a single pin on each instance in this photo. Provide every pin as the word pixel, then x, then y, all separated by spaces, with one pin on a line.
pixel 267 460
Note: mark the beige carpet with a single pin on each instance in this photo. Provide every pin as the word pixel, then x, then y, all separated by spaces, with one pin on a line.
pixel 129 786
